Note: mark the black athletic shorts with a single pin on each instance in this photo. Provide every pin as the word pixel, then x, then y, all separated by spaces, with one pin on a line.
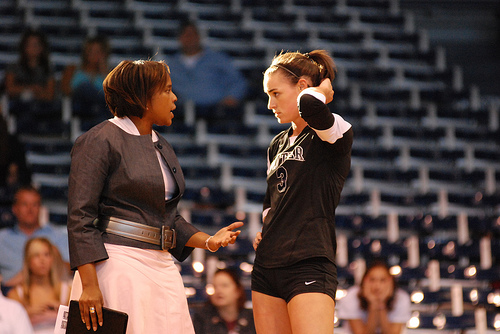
pixel 311 275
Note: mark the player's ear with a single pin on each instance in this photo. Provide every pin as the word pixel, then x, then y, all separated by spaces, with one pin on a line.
pixel 302 83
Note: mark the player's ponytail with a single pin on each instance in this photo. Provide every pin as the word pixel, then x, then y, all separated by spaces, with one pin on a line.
pixel 325 64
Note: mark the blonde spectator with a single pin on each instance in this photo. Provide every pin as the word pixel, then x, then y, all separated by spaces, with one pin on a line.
pixel 45 286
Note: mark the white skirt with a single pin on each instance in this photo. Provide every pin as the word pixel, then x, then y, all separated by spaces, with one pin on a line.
pixel 145 284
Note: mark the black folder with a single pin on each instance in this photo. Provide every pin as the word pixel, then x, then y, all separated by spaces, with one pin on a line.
pixel 114 322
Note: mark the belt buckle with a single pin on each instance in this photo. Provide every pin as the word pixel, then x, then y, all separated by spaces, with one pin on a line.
pixel 167 238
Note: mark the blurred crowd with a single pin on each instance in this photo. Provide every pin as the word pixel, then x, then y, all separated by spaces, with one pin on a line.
pixel 34 270
pixel 34 256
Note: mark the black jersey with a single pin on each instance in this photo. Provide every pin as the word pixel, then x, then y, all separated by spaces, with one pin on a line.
pixel 304 183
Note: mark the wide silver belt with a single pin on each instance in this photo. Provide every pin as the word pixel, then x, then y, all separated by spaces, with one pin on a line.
pixel 164 237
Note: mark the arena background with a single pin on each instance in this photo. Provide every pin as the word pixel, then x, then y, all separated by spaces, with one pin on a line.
pixel 419 81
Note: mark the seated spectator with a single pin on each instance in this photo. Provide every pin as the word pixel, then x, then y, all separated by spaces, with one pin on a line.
pixel 225 312
pixel 14 171
pixel 30 83
pixel 84 82
pixel 13 316
pixel 26 209
pixel 45 285
pixel 206 77
pixel 377 305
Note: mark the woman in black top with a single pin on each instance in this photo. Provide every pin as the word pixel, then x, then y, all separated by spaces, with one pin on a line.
pixel 30 83
pixel 294 279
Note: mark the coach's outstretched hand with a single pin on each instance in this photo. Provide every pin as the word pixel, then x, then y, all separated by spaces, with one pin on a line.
pixel 224 236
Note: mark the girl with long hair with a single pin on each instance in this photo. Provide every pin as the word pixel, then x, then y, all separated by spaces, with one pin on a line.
pixel 294 277
pixel 45 285
pixel 377 305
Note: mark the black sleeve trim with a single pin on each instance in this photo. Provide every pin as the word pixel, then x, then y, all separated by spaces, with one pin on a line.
pixel 315 112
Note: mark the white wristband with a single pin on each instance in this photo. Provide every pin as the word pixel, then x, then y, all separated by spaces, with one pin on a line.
pixel 206 244
pixel 311 91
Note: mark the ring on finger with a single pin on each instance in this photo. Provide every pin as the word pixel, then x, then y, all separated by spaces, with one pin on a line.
pixel 92 309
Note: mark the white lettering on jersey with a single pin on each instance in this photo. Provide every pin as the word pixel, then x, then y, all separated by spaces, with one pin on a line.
pixel 297 154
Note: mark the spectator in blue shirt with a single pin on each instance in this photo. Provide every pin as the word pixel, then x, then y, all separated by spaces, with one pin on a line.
pixel 84 82
pixel 26 208
pixel 206 77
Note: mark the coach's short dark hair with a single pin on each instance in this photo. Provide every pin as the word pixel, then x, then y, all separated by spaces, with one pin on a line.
pixel 131 84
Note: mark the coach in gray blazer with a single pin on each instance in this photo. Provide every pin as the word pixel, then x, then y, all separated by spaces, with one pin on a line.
pixel 132 191
pixel 123 223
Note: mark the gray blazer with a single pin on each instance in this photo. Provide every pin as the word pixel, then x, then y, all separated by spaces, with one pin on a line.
pixel 114 173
